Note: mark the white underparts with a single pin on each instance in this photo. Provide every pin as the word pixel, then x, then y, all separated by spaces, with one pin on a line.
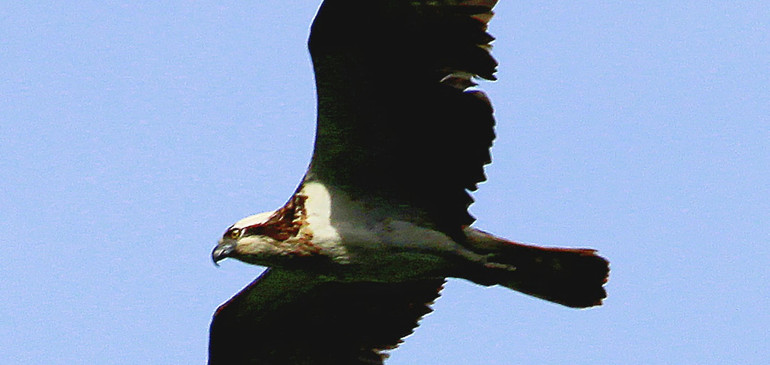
pixel 318 207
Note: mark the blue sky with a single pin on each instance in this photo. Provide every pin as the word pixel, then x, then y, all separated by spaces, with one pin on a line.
pixel 133 133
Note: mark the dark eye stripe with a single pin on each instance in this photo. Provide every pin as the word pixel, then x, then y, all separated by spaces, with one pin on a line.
pixel 254 230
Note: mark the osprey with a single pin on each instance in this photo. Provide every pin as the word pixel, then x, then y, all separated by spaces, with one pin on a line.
pixel 380 220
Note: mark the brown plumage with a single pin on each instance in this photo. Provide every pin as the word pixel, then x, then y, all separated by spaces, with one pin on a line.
pixel 363 247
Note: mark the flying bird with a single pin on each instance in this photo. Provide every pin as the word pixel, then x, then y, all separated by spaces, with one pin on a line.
pixel 380 220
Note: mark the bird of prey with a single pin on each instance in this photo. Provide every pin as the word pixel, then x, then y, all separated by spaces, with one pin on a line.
pixel 363 247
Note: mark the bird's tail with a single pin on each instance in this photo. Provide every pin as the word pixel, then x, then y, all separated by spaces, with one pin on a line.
pixel 572 277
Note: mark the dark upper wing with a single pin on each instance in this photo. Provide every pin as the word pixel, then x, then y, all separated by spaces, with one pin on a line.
pixel 395 120
pixel 291 318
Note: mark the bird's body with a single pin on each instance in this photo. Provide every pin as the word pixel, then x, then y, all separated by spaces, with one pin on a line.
pixel 324 233
pixel 365 242
pixel 364 245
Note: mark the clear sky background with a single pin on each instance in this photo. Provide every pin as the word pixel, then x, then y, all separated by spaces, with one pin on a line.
pixel 133 133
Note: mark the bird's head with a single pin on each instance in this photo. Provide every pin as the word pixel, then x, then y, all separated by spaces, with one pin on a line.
pixel 255 239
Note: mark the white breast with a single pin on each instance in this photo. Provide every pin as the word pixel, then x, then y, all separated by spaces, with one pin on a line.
pixel 318 208
pixel 370 239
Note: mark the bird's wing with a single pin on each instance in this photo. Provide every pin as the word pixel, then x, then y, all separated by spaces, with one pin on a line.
pixel 396 118
pixel 289 317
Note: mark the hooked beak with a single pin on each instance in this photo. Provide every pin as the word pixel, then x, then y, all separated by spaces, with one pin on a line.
pixel 223 250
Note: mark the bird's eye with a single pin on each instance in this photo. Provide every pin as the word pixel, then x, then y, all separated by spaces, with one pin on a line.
pixel 234 233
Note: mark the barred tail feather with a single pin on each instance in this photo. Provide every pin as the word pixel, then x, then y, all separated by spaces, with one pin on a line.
pixel 571 277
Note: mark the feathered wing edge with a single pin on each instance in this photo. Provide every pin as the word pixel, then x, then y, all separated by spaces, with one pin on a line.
pixel 396 118
pixel 287 317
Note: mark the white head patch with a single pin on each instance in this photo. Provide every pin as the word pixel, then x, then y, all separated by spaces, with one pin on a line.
pixel 253 219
